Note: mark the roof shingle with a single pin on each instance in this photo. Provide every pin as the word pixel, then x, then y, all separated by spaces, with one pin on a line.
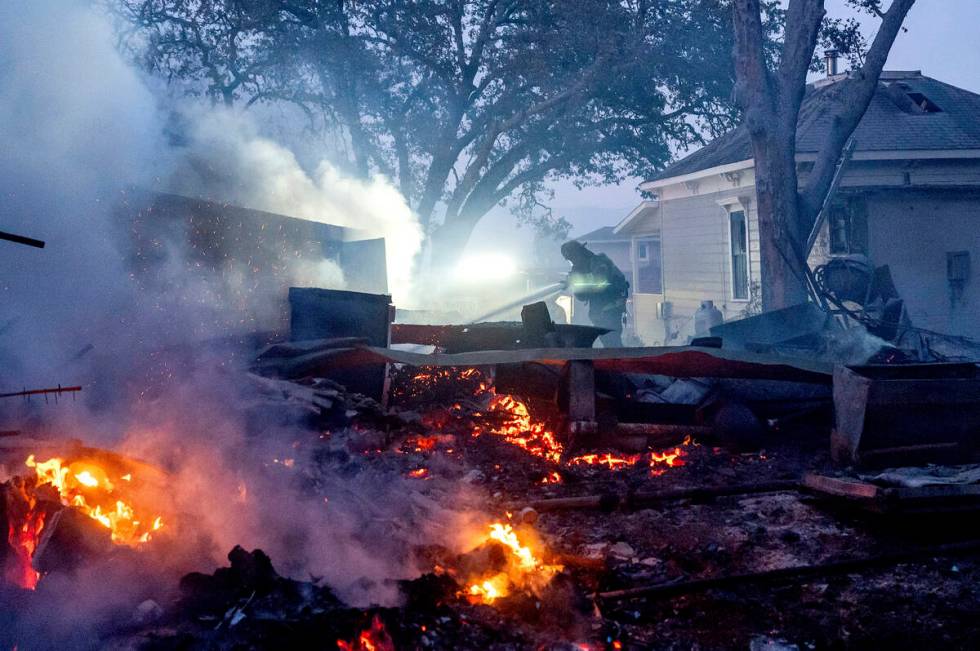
pixel 886 126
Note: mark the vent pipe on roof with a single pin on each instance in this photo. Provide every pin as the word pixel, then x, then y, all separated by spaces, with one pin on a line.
pixel 830 62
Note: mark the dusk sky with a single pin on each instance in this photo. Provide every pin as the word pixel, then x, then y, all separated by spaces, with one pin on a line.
pixel 941 41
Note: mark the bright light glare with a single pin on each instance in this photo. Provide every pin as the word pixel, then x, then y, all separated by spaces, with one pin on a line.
pixel 477 268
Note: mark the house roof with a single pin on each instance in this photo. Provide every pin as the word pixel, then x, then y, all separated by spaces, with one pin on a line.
pixel 642 209
pixel 895 121
pixel 604 234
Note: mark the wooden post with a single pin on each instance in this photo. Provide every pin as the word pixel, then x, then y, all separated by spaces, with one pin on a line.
pixel 581 397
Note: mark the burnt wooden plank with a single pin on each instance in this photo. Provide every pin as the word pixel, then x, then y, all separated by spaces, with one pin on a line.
pixel 841 487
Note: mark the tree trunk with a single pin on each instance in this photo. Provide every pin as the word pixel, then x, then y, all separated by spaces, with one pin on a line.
pixel 771 100
pixel 447 243
pixel 780 248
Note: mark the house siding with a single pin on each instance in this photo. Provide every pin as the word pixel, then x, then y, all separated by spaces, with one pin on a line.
pixel 918 211
pixel 696 261
pixel 913 235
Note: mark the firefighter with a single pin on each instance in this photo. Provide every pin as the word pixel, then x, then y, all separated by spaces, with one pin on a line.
pixel 595 280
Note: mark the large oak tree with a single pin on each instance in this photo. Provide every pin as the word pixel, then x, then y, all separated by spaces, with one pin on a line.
pixel 464 104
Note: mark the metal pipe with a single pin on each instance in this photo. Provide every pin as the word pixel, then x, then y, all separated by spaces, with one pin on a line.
pixel 21 239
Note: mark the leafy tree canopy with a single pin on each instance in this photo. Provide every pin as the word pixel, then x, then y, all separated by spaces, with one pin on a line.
pixel 464 104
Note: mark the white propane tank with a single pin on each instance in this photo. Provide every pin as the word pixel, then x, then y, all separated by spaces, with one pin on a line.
pixel 707 317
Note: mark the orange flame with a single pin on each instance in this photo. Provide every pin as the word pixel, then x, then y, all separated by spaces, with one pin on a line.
pixel 659 461
pixel 607 459
pixel 375 638
pixel 669 458
pixel 525 569
pixel 88 488
pixel 23 534
pixel 424 443
pixel 518 428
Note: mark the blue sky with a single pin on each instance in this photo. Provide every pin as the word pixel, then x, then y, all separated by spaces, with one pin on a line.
pixel 942 40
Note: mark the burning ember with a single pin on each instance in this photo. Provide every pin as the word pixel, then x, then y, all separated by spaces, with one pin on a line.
pixel 509 417
pixel 607 459
pixel 524 569
pixel 375 638
pixel 424 443
pixel 660 461
pixel 25 524
pixel 111 494
pixel 88 488
pixel 517 428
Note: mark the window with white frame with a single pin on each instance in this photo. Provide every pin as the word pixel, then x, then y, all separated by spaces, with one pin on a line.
pixel 643 251
pixel 649 270
pixel 738 237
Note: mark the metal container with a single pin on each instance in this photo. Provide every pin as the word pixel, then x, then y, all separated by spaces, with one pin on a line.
pixel 906 413
pixel 331 313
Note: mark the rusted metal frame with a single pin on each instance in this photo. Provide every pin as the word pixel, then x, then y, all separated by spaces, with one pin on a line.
pixel 35 392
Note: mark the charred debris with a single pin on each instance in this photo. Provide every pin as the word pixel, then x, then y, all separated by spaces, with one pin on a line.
pixel 785 483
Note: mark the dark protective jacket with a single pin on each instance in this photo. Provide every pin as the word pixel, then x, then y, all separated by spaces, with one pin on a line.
pixel 603 286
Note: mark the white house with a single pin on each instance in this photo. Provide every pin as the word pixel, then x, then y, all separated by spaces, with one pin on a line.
pixel 909 198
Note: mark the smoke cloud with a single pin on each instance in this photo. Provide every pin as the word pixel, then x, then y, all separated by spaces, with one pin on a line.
pixel 228 158
pixel 75 123
pixel 78 125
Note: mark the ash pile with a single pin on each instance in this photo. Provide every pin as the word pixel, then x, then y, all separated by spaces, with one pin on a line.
pixel 536 496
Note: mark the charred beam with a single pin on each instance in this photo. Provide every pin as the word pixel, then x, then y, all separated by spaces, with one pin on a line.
pixel 782 574
pixel 611 501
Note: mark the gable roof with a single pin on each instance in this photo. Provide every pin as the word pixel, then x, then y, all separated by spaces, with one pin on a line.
pixel 893 122
pixel 644 208
pixel 604 234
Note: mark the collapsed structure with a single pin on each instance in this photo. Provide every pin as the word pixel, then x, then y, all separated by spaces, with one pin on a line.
pixel 612 497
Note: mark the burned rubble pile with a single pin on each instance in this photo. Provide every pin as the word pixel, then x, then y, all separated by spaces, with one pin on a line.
pixel 572 498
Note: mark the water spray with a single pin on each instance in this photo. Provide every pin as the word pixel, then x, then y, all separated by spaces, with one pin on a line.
pixel 537 295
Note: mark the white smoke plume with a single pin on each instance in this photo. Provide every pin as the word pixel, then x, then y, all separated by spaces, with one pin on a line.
pixel 75 124
pixel 228 158
pixel 78 124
